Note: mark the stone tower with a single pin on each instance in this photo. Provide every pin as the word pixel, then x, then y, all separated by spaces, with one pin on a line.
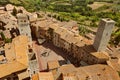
pixel 23 25
pixel 103 34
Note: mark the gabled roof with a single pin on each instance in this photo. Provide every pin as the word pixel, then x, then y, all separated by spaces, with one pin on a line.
pixel 16 54
pixel 18 50
pixel 11 67
pixel 21 49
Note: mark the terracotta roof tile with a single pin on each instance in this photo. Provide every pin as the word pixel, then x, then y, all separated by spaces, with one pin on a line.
pixel 100 72
pixel 11 67
pixel 100 55
pixel 9 7
pixel 67 69
pixel 53 65
pixel 114 63
pixel 18 50
pixel 93 72
pixel 43 76
pixel 10 52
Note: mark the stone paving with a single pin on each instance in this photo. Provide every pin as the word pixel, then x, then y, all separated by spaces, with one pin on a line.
pixel 45 53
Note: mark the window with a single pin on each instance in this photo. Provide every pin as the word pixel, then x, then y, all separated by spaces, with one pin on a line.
pixel 24 20
pixel 34 72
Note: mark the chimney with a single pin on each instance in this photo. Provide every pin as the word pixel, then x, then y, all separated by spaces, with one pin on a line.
pixel 103 34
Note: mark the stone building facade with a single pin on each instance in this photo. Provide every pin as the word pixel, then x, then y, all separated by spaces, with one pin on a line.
pixel 23 25
pixel 77 46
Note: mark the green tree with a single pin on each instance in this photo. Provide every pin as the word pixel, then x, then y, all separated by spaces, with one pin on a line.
pixel 83 30
pixel 2 35
pixel 115 37
pixel 14 12
pixel 7 40
pixel 4 2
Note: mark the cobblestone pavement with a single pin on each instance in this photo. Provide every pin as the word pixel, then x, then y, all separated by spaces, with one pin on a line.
pixel 47 52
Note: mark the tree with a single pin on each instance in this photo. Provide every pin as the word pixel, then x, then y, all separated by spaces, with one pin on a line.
pixel 116 37
pixel 4 2
pixel 6 40
pixel 81 2
pixel 83 30
pixel 2 35
pixel 14 12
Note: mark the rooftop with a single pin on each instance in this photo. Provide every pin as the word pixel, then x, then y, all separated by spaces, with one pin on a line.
pixel 2 8
pixel 100 72
pixel 16 54
pixel 10 52
pixel 53 65
pixel 22 16
pixel 114 63
pixel 21 49
pixel 70 25
pixel 17 50
pixel 9 7
pixel 43 24
pixel 67 68
pixel 60 30
pixel 43 76
pixel 11 25
pixel 108 20
pixel 8 18
pixel 93 72
pixel 100 55
pixel 54 26
pixel 11 67
pixel 2 11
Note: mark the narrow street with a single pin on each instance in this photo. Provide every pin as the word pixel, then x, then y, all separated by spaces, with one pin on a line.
pixel 37 51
